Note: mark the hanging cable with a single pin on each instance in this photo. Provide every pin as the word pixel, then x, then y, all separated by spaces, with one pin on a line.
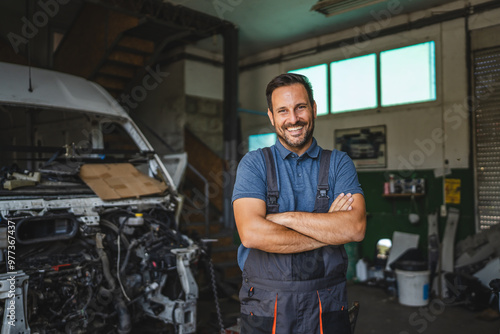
pixel 118 271
pixel 216 298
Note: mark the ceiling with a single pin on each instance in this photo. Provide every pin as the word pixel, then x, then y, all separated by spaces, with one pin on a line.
pixel 263 24
pixel 267 24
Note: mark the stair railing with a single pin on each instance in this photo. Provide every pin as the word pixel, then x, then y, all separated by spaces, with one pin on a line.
pixel 206 199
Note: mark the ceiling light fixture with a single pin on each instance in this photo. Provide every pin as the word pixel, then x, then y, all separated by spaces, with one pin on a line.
pixel 334 7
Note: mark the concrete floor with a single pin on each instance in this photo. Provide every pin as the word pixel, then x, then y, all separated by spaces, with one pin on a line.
pixel 379 314
pixel 382 314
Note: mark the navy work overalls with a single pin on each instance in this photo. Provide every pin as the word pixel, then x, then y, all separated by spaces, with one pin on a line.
pixel 295 293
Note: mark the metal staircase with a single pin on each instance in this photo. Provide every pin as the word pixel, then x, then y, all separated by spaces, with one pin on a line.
pixel 114 43
pixel 122 62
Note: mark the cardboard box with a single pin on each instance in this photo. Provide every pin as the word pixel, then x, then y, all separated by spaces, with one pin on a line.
pixel 121 180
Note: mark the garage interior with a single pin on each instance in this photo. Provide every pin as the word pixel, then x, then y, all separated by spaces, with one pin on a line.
pixel 192 75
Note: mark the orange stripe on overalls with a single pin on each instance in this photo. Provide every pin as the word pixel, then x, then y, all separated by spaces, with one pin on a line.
pixel 275 314
pixel 320 314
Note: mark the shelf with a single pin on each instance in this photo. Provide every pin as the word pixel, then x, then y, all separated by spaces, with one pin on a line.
pixel 401 196
pixel 409 195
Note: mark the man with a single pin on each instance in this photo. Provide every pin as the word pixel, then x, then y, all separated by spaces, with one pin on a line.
pixel 292 253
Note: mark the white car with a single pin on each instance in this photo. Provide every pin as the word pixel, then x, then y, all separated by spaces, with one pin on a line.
pixel 83 250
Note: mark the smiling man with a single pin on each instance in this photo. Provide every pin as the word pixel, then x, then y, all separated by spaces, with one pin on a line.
pixel 292 230
pixel 294 117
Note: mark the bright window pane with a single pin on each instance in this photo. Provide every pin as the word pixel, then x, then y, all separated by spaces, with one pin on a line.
pixel 317 76
pixel 260 141
pixel 408 74
pixel 354 83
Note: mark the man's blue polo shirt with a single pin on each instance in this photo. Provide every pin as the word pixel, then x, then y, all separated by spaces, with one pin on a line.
pixel 297 179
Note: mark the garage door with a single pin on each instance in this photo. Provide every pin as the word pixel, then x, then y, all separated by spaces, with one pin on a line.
pixel 487 136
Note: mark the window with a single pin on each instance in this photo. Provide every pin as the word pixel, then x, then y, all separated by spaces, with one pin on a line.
pixel 259 141
pixel 354 83
pixel 408 74
pixel 318 76
pixel 399 76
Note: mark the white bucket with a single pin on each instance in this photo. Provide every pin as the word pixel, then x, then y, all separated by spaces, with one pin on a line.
pixel 413 287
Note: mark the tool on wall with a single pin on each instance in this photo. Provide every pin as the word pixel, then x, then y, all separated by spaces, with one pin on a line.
pixel 433 244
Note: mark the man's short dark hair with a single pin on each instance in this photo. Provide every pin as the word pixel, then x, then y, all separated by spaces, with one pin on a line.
pixel 288 79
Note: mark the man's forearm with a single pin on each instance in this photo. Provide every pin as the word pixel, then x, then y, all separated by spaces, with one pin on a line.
pixel 257 232
pixel 331 228
pixel 273 238
pixel 334 228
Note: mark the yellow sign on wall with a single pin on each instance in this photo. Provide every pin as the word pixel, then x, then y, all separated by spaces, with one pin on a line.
pixel 452 191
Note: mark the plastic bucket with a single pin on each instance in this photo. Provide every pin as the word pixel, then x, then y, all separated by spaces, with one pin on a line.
pixel 413 287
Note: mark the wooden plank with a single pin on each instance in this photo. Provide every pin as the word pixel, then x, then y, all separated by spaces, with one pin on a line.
pixel 111 83
pixel 127 58
pixel 126 72
pixel 138 44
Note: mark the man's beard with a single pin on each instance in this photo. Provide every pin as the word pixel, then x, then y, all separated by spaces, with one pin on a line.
pixel 291 141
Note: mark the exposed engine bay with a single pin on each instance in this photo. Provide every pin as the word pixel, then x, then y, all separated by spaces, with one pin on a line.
pixel 97 278
pixel 71 262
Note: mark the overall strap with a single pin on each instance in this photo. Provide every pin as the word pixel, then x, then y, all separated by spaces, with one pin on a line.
pixel 322 198
pixel 272 205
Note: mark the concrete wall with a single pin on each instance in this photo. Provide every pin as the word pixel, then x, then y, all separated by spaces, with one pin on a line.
pixel 163 110
pixel 190 96
pixel 204 80
pixel 204 120
pixel 204 95
pixel 415 132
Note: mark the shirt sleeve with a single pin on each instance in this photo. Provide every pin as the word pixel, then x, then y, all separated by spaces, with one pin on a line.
pixel 345 178
pixel 250 177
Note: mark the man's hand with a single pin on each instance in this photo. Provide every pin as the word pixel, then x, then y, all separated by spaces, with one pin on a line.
pixel 342 203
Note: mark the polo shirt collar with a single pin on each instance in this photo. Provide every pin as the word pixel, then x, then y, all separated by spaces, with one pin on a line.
pixel 312 151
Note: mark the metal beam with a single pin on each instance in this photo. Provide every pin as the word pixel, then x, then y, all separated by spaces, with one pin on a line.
pixel 230 111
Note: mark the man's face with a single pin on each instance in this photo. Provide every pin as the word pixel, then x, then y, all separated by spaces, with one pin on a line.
pixel 293 117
